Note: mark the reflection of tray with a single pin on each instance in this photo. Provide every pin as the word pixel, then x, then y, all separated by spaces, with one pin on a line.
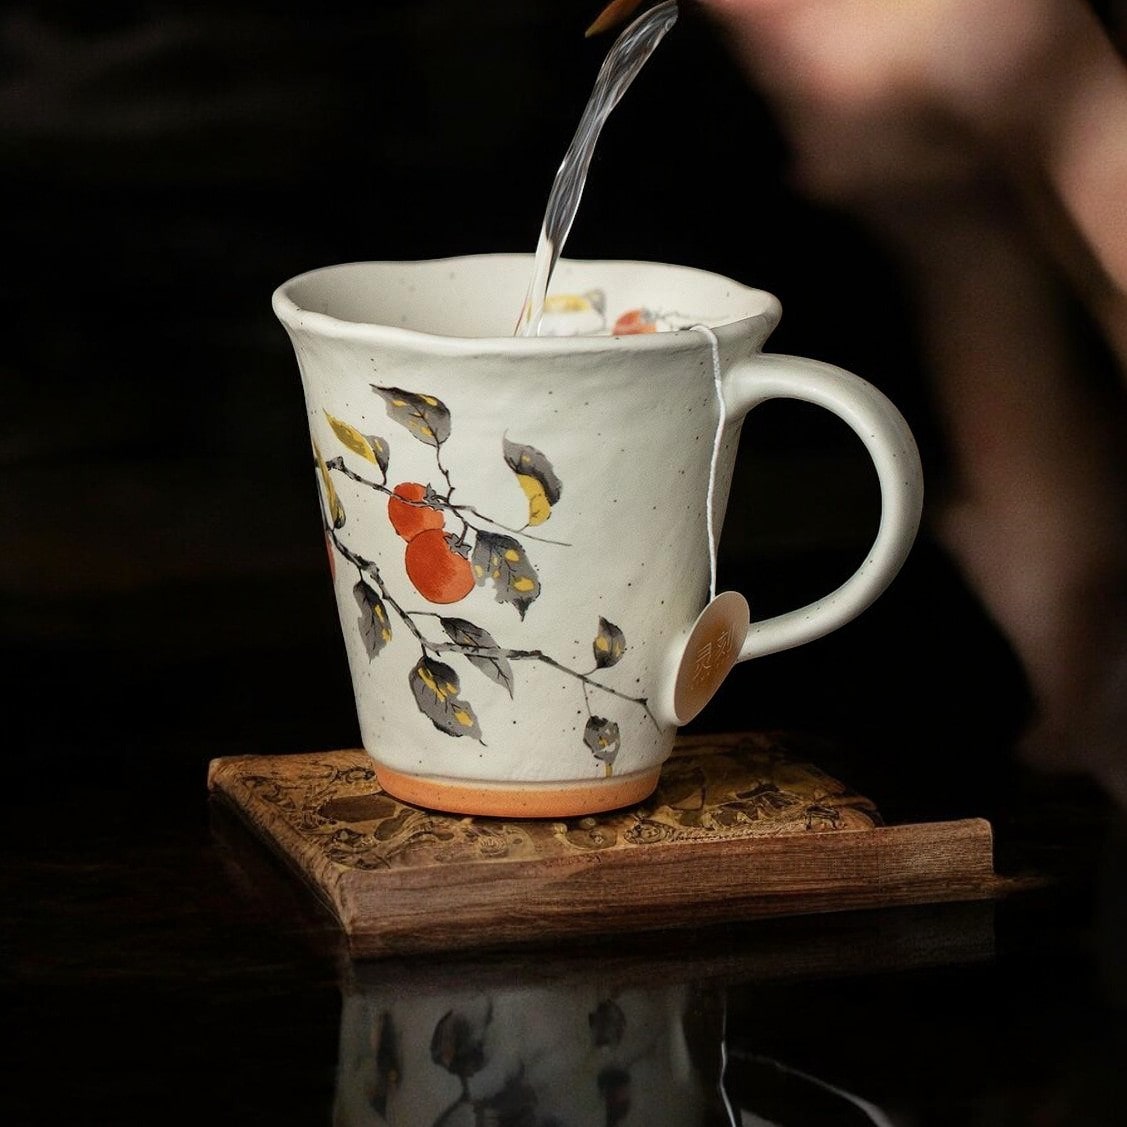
pixel 738 828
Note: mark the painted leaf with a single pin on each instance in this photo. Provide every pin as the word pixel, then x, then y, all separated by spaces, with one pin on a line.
pixel 368 446
pixel 571 314
pixel 576 302
pixel 435 687
pixel 333 506
pixel 539 508
pixel 609 645
pixel 424 416
pixel 458 1041
pixel 388 1067
pixel 500 559
pixel 536 477
pixel 375 628
pixel 497 669
pixel 602 737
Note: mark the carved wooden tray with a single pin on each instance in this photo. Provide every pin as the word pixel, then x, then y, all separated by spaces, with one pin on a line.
pixel 738 828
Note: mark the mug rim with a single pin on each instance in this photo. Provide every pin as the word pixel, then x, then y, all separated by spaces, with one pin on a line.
pixel 295 316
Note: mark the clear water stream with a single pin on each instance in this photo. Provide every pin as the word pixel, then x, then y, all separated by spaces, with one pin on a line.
pixel 623 62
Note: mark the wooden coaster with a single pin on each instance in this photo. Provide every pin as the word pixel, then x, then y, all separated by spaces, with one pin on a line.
pixel 738 828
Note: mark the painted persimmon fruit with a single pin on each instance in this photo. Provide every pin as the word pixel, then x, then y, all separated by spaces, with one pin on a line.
pixel 440 573
pixel 409 520
pixel 634 321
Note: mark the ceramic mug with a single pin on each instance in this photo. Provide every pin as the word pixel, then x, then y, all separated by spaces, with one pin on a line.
pixel 581 1053
pixel 523 529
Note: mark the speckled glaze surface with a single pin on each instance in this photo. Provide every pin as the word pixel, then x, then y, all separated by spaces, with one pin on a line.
pixel 519 527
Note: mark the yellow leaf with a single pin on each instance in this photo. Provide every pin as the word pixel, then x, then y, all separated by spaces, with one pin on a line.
pixel 332 501
pixel 567 303
pixel 539 508
pixel 352 438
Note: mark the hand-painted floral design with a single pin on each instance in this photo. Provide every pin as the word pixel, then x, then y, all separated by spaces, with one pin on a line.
pixel 450 548
pixel 573 314
pixel 585 314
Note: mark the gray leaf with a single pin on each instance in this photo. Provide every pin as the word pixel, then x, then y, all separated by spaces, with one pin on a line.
pixel 435 687
pixel 497 669
pixel 426 417
pixel 375 628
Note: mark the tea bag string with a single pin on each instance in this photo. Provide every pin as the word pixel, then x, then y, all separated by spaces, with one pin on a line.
pixel 717 438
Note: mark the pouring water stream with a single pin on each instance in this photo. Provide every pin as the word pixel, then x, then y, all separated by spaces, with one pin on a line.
pixel 623 62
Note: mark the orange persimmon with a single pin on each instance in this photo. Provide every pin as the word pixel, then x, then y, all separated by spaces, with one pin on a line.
pixel 440 573
pixel 407 519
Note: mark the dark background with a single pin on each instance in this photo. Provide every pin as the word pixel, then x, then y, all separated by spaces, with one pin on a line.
pixel 167 165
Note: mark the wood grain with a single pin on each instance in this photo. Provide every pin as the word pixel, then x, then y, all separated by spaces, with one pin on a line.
pixel 738 829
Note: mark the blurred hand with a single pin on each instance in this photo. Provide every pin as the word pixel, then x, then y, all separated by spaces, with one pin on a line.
pixel 883 96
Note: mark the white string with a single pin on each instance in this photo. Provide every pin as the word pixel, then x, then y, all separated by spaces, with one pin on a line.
pixel 716 440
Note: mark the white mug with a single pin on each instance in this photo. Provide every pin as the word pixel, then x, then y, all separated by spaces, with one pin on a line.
pixel 583 1053
pixel 523 529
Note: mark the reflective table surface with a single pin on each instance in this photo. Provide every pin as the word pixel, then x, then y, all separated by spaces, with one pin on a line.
pixel 162 966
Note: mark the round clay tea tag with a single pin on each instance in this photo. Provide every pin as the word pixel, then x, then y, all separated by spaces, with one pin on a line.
pixel 712 649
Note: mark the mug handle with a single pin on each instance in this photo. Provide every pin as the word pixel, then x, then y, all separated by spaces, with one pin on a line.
pixel 892 447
